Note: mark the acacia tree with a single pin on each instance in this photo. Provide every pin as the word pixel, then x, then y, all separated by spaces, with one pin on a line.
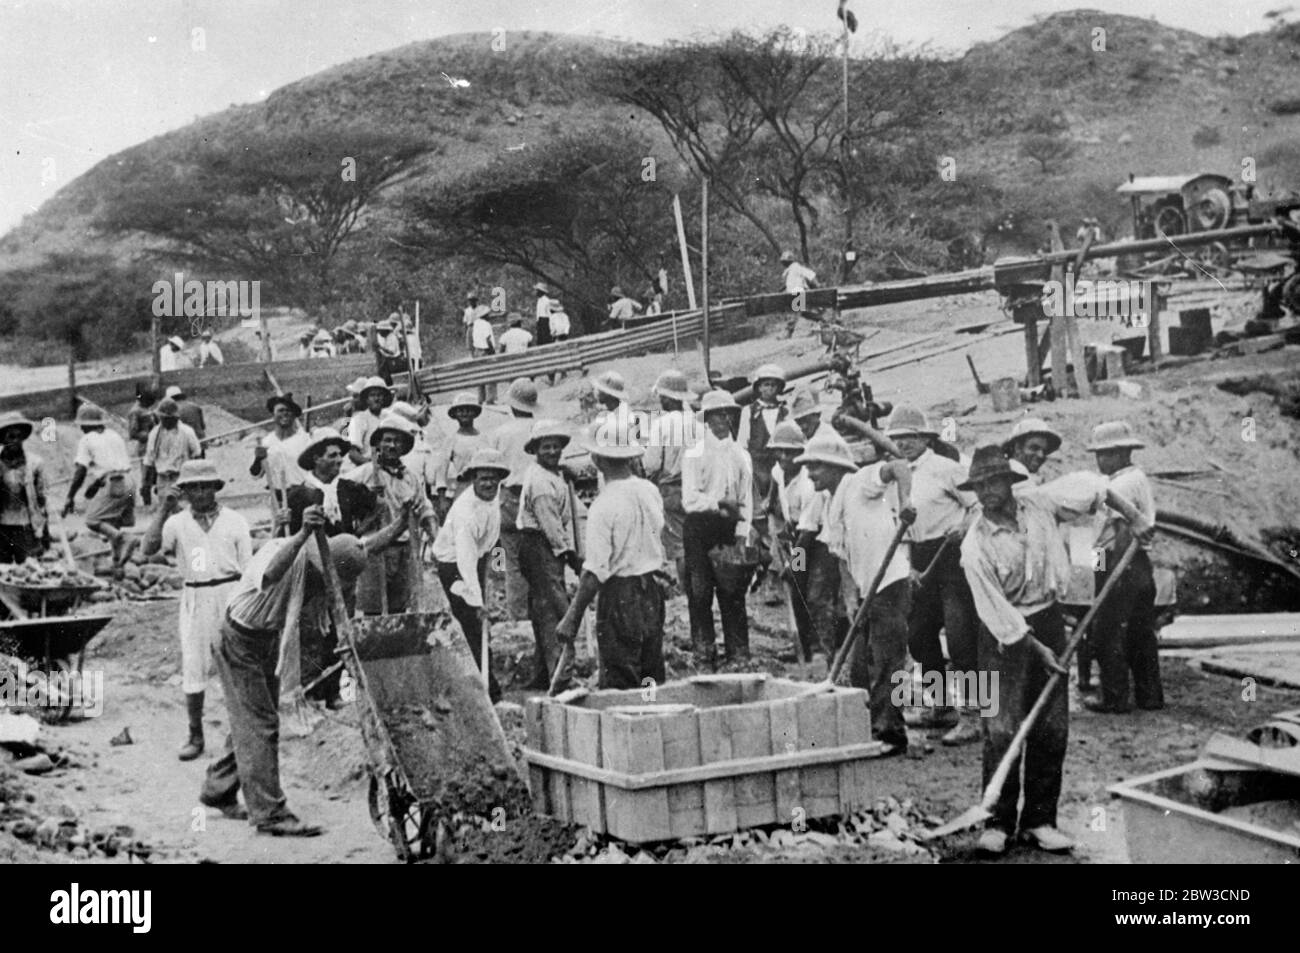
pixel 577 213
pixel 278 205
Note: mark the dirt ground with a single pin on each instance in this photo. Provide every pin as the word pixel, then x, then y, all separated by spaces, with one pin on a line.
pixel 1187 422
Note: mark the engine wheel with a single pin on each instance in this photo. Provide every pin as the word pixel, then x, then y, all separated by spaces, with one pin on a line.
pixel 1170 221
pixel 1290 297
pixel 1215 256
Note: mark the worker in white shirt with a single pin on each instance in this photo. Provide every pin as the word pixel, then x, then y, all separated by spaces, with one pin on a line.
pixel 717 494
pixel 102 457
pixel 560 328
pixel 212 545
pixel 277 452
pixel 509 439
pixel 1124 633
pixel 622 308
pixel 473 311
pixel 170 444
pixel 264 352
pixel 422 460
pixel 547 525
pixel 171 356
pixel 414 349
pixel 623 557
pixel 858 524
pixel 483 343
pixel 323 346
pixel 671 434
pixel 791 491
pixel 1018 570
pixel 376 397
pixel 461 548
pixel 542 312
pixel 797 278
pixel 210 351
pixel 943 513
pixel 457 450
pixel 516 339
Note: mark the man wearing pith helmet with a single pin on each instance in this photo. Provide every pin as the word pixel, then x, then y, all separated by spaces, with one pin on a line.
pixel 623 557
pixel 1029 445
pixel 758 423
pixel 672 433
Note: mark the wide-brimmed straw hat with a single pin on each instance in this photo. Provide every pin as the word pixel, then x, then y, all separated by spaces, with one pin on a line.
pixel 522 395
pixel 611 384
pixel 616 292
pixel 196 472
pixel 987 463
pixel 321 439
pixel 175 392
pixel 376 383
pixel 718 400
pixel 787 256
pixel 907 420
pixel 769 372
pixel 14 420
pixel 672 384
pixel 465 400
pixel 828 448
pixel 176 342
pixel 355 387
pixel 395 423
pixel 1029 427
pixel 803 405
pixel 286 399
pixel 1114 435
pixel 787 436
pixel 543 429
pixel 485 458
pixel 540 287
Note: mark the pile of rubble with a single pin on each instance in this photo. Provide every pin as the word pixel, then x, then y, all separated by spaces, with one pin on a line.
pixel 890 828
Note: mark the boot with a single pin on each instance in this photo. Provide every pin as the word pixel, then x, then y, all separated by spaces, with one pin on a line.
pixel 194 747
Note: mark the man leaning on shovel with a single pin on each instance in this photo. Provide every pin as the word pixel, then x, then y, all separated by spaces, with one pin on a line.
pixel 1018 570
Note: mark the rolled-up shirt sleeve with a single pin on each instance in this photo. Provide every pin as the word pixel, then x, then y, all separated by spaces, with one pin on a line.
pixel 1072 495
pixel 1000 617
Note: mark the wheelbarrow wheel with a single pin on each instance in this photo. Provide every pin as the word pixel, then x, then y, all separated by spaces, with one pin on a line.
pixel 61 698
pixel 399 818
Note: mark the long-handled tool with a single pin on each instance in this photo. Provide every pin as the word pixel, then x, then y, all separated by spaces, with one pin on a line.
pixel 934 562
pixel 984 810
pixel 860 618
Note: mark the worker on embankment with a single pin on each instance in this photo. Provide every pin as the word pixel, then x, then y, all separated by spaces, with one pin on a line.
pixel 24 519
pixel 102 457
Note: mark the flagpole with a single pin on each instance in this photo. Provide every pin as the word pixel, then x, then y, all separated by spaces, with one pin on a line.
pixel 844 149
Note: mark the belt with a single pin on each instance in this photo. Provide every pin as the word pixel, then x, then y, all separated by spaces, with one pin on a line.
pixel 249 630
pixel 211 582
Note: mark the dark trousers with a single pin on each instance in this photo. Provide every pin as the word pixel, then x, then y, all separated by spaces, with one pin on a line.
pixel 17 543
pixel 1123 637
pixel 879 652
pixel 1021 677
pixel 246 663
pixel 317 645
pixel 700 533
pixel 825 603
pixel 630 631
pixel 799 599
pixel 548 599
pixel 945 603
pixel 468 617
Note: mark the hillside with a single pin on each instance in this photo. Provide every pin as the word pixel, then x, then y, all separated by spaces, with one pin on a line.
pixel 1156 100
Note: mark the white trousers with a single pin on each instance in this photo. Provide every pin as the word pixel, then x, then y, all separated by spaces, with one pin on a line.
pixel 201 613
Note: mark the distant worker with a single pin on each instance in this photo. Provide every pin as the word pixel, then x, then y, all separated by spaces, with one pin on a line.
pixel 210 351
pixel 170 445
pixel 140 419
pixel 190 413
pixel 621 307
pixel 171 356
pixel 458 449
pixel 797 278
pixel 473 311
pixel 483 344
pixel 516 339
pixel 560 328
pixel 24 520
pixel 322 345
pixel 102 458
pixel 277 453
pixel 268 348
pixel 543 314
pixel 375 397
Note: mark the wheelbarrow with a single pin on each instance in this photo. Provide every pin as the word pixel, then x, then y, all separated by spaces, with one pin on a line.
pixel 434 747
pixel 53 644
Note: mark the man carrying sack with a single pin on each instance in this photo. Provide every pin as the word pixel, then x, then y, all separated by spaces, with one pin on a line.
pixel 623 564
pixel 1017 567
pixel 212 545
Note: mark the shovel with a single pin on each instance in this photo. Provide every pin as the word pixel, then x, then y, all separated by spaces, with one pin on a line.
pixel 984 810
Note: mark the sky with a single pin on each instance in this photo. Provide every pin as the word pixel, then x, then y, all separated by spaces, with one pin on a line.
pixel 82 79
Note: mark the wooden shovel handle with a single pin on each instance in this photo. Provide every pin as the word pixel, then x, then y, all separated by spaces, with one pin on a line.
pixel 860 618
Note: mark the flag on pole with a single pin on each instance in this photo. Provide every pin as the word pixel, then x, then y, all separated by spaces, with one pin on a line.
pixel 845 14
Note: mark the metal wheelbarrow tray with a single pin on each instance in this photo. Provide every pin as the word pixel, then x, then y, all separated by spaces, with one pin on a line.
pixel 56 642
pixel 434 745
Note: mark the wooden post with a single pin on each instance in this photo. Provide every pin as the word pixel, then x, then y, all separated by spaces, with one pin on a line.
pixel 1033 360
pixel 686 258
pixel 155 359
pixel 704 268
pixel 72 378
pixel 1154 345
pixel 266 337
pixel 1060 333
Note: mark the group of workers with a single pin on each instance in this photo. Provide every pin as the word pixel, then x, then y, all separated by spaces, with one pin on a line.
pixel 958 565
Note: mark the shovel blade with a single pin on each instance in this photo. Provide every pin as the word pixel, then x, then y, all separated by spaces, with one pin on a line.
pixel 967 819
